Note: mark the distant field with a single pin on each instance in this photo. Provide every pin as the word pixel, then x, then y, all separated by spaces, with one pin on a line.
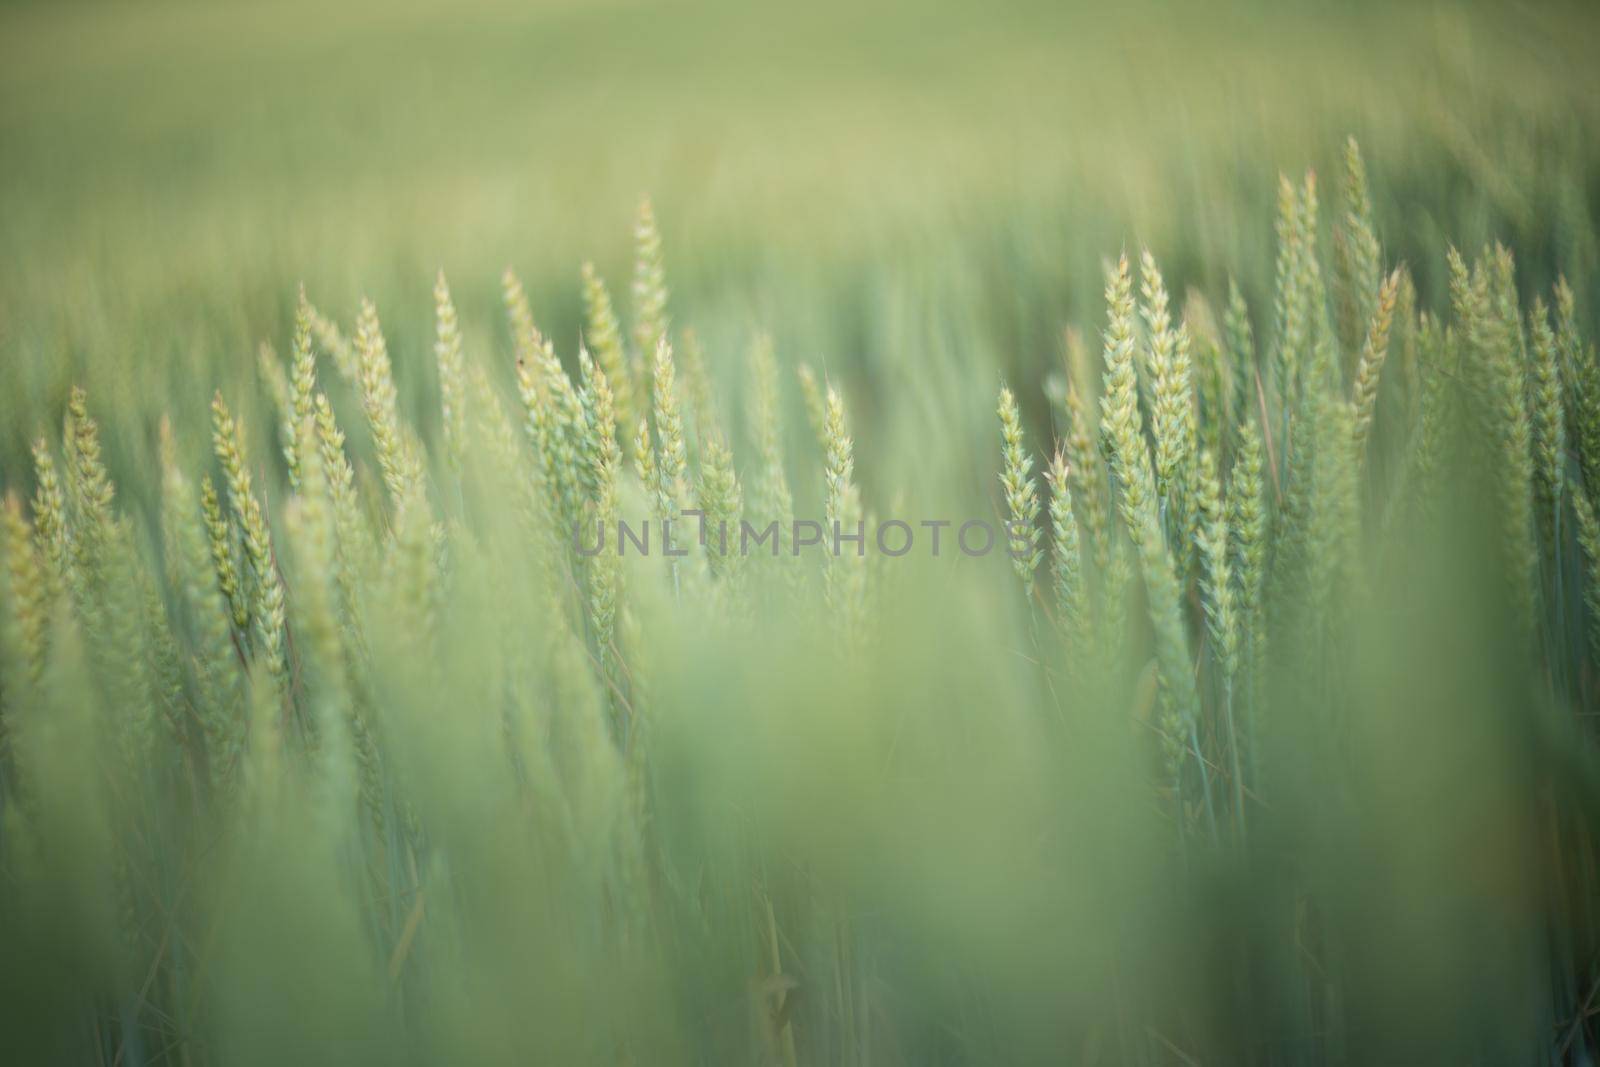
pixel 169 172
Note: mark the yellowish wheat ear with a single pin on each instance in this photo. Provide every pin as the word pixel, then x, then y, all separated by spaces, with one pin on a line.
pixel 1022 499
pixel 1374 351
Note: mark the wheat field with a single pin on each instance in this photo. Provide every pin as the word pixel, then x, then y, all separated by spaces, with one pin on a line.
pixel 651 534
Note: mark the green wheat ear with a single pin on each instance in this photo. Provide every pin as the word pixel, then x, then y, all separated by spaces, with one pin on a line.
pixel 644 462
pixel 1289 309
pixel 1172 398
pixel 1121 427
pixel 302 382
pixel 1436 355
pixel 334 343
pixel 50 522
pixel 1485 305
pixel 1356 252
pixel 266 599
pixel 26 605
pixel 90 495
pixel 542 425
pixel 447 354
pixel 723 503
pixel 1086 471
pixel 1301 307
pixel 1213 390
pixel 191 571
pixel 1022 499
pixel 525 338
pixel 1216 581
pixel 1241 353
pixel 554 419
pixel 354 535
pixel 1550 425
pixel 673 457
pixel 599 402
pixel 844 577
pixel 1583 383
pixel 603 336
pixel 1066 560
pixel 1249 516
pixel 573 438
pixel 220 534
pixel 402 469
pixel 605 571
pixel 1510 371
pixel 650 324
pixel 1589 538
pixel 276 381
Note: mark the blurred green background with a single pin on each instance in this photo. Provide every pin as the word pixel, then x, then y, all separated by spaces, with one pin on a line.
pixel 170 171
